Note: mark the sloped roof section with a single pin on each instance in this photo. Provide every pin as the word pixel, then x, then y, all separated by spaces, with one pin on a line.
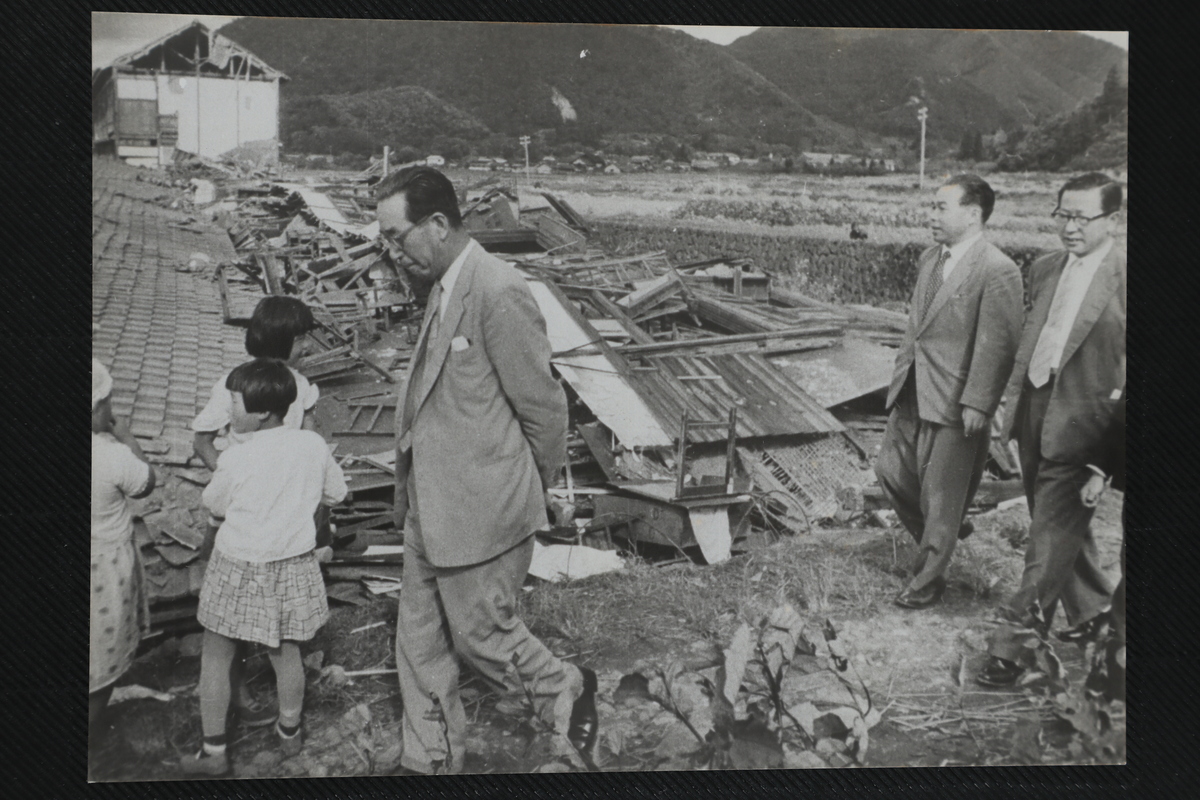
pixel 196 48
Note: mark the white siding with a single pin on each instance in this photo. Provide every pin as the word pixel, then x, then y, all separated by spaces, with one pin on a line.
pixel 218 114
pixel 136 88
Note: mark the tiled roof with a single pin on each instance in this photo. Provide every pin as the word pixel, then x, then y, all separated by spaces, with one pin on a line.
pixel 160 329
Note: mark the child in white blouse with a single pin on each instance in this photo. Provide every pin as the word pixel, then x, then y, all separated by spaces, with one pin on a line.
pixel 263 583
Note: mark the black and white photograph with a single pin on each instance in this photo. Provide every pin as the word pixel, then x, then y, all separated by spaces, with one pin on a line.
pixel 643 398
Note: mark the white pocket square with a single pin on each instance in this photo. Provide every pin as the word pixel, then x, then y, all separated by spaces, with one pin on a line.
pixel 459 343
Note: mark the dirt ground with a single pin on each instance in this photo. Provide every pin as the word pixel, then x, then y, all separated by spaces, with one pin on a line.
pixel 911 662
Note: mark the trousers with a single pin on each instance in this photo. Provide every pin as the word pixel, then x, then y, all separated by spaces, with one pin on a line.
pixel 1062 563
pixel 468 613
pixel 929 473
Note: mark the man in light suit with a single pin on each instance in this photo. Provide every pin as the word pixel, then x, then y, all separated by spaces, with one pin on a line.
pixel 1070 374
pixel 950 375
pixel 481 426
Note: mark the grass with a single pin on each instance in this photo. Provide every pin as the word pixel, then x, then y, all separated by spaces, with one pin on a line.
pixel 613 612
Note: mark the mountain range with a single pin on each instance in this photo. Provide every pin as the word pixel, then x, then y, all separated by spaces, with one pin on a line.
pixel 800 87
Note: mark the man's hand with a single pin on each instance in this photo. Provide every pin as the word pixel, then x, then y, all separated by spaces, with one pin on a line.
pixel 975 423
pixel 400 505
pixel 1091 491
pixel 562 513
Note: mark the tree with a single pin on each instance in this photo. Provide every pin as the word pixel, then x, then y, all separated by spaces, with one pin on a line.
pixel 970 148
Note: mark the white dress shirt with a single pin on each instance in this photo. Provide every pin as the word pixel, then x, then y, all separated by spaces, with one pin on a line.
pixel 957 251
pixel 1072 287
pixel 451 277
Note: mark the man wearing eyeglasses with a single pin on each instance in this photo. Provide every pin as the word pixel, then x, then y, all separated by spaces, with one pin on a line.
pixel 482 428
pixel 949 376
pixel 1070 374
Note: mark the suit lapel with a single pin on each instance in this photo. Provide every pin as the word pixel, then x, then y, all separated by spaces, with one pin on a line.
pixel 925 270
pixel 1037 317
pixel 1101 290
pixel 961 271
pixel 435 356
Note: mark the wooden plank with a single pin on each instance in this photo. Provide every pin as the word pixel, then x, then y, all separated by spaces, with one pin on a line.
pixel 816 330
pixel 890 320
pixel 650 295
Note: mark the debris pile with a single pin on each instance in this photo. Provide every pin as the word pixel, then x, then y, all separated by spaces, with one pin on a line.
pixel 713 407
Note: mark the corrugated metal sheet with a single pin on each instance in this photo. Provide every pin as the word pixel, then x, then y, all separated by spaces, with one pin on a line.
pixel 768 402
pixel 663 387
pixel 852 368
pixel 597 379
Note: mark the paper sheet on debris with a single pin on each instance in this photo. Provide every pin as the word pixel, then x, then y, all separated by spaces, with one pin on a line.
pixel 123 694
pixel 385 460
pixel 383 550
pixel 595 379
pixel 375 586
pixel 711 528
pixel 558 562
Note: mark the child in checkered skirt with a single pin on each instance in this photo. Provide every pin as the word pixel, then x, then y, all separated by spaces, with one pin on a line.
pixel 263 583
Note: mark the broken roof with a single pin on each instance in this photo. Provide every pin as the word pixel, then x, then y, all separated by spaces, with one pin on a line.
pixel 194 49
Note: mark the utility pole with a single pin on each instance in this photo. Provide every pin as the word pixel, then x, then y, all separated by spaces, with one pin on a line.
pixel 922 114
pixel 524 140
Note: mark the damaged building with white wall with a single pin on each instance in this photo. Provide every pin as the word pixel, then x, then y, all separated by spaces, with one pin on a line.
pixel 193 90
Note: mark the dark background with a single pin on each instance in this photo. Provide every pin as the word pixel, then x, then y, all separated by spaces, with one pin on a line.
pixel 46 167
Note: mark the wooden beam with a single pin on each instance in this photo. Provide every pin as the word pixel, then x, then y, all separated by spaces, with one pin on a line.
pixel 689 344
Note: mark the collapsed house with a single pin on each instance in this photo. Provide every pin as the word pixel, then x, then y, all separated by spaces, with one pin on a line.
pixel 192 91
pixel 713 409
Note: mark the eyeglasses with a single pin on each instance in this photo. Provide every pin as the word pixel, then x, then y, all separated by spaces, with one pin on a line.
pixel 1061 217
pixel 399 243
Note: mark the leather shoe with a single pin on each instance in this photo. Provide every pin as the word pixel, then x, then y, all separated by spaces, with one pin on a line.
pixel 1087 631
pixel 966 529
pixel 923 598
pixel 999 672
pixel 585 723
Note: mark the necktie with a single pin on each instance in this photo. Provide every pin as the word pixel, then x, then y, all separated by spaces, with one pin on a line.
pixel 935 282
pixel 1049 347
pixel 432 314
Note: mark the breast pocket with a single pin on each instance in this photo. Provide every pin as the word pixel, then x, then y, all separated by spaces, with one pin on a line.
pixel 470 370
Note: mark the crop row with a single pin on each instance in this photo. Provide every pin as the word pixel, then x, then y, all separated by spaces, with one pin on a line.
pixel 842 271
pixel 804 211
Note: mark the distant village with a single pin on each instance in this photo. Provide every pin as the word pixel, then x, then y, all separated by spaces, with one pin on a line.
pixel 598 161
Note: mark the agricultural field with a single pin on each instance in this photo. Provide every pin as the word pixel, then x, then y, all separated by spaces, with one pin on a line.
pixel 889 208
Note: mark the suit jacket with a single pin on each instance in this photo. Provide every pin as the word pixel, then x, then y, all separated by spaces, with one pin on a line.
pixel 1091 375
pixel 962 350
pixel 1112 450
pixel 489 422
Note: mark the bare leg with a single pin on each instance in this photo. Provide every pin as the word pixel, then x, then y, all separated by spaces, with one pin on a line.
pixel 216 659
pixel 289 682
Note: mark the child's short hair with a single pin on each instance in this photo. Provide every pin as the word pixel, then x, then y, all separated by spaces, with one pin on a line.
pixel 276 322
pixel 266 384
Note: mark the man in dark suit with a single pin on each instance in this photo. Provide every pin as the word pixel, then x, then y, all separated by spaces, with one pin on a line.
pixel 1109 470
pixel 1071 373
pixel 482 428
pixel 950 374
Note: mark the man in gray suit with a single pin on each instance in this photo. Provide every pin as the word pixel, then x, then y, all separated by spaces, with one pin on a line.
pixel 1069 376
pixel 950 374
pixel 482 427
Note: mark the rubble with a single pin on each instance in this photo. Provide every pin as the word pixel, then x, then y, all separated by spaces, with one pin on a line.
pixel 644 348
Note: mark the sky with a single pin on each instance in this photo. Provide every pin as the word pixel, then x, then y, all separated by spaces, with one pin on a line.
pixel 115 35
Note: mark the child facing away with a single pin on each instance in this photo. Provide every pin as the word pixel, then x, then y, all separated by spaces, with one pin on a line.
pixel 274 327
pixel 120 613
pixel 263 583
